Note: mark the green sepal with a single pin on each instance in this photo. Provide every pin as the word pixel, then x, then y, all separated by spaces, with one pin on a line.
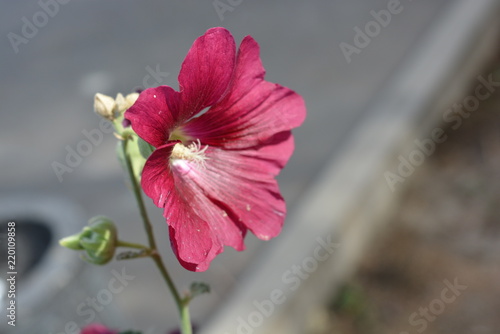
pixel 144 148
pixel 198 288
pixel 71 242
pixel 99 240
pixel 134 154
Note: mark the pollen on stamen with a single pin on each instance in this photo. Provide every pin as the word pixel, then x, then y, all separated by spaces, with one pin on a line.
pixel 193 152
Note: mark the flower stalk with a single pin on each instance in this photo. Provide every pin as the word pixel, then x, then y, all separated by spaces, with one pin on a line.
pixel 182 304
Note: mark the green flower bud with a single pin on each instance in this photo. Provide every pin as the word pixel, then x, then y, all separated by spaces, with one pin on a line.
pixel 99 240
pixel 71 242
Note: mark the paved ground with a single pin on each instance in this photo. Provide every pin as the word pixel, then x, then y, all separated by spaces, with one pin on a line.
pixel 110 47
pixel 446 230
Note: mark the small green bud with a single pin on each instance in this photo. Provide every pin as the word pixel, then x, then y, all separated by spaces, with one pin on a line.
pixel 99 240
pixel 71 242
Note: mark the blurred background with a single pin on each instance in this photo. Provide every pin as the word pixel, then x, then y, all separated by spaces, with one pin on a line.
pixel 55 55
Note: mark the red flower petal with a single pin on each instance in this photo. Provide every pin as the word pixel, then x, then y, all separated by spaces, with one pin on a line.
pixel 206 71
pixel 252 110
pixel 154 114
pixel 211 205
pixel 97 329
pixel 245 184
pixel 199 228
pixel 212 192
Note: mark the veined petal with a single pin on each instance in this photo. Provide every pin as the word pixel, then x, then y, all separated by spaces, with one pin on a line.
pixel 245 184
pixel 252 110
pixel 216 180
pixel 266 110
pixel 248 71
pixel 154 114
pixel 199 227
pixel 206 71
pixel 242 185
pixel 273 154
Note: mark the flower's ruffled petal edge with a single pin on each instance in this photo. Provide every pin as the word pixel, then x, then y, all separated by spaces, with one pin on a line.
pixel 239 185
pixel 252 110
pixel 243 181
pixel 199 227
pixel 206 71
pixel 204 77
pixel 272 156
pixel 252 118
pixel 153 115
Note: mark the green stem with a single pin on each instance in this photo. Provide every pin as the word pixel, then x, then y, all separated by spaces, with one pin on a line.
pixel 186 326
pixel 138 196
pixel 130 245
pixel 182 305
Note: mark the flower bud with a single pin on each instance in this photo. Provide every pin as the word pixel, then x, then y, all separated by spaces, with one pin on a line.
pixel 104 106
pixel 99 240
pixel 123 103
pixel 71 242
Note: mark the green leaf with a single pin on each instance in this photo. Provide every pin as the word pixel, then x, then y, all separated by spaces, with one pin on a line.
pixel 121 156
pixel 144 148
pixel 198 288
pixel 136 157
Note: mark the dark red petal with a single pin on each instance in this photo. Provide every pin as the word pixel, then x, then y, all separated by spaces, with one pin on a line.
pixel 252 110
pixel 154 115
pixel 273 155
pixel 243 182
pixel 206 71
pixel 185 254
pixel 199 228
pixel 97 329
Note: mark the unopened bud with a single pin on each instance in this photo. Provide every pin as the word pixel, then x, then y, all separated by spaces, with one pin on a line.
pixel 104 106
pixel 71 242
pixel 123 103
pixel 99 240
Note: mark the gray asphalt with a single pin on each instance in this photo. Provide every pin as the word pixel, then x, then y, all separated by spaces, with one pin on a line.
pixel 49 76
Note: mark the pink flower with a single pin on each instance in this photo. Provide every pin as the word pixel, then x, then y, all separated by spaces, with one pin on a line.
pixel 97 329
pixel 213 173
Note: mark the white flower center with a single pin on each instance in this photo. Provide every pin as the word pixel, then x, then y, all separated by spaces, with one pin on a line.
pixel 193 152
